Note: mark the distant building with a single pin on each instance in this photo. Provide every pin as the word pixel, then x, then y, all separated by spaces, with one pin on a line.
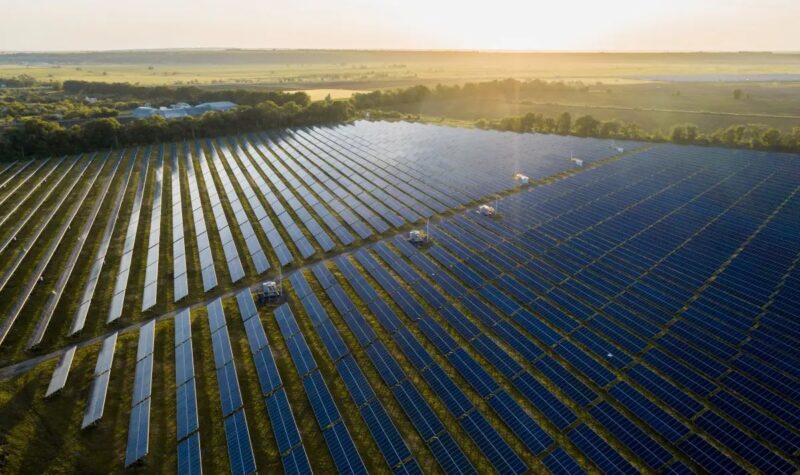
pixel 182 109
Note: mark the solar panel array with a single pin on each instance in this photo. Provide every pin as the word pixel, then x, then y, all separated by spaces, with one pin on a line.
pixel 139 426
pixel 245 228
pixel 395 452
pixel 284 427
pixel 207 269
pixel 65 271
pixel 43 259
pixel 102 373
pixel 340 444
pixel 240 449
pixel 79 319
pixel 187 423
pixel 638 316
pixel 235 269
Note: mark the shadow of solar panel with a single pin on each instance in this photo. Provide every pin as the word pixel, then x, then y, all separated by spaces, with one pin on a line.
pixel 189 457
pixel 284 426
pixel 138 433
pixel 240 450
pixel 343 451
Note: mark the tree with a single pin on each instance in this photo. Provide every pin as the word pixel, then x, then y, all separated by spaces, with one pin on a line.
pixel 100 133
pixel 738 94
pixel 564 124
pixel 587 125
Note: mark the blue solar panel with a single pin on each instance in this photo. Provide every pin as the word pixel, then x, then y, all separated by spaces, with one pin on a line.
pixel 138 433
pixel 186 410
pixel 355 381
pixel 450 456
pixel 386 436
pixel 321 400
pixel 296 462
pixel 496 450
pixel 343 451
pixel 559 462
pixel 240 450
pixel 189 459
pixel 598 451
pixel 282 420
pixel 230 396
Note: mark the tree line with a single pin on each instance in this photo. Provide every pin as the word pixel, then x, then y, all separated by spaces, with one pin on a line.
pixel 42 138
pixel 752 136
pixel 508 88
pixel 191 94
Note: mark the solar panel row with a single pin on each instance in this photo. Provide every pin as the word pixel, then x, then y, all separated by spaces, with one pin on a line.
pixel 180 279
pixel 139 426
pixel 150 292
pixel 187 424
pixel 102 373
pixel 240 449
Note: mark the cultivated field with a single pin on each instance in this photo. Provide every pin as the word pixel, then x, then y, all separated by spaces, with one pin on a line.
pixel 633 314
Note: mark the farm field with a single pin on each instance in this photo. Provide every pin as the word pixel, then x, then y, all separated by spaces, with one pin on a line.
pixel 633 314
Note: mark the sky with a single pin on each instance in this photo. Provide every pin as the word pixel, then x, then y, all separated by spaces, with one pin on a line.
pixel 526 25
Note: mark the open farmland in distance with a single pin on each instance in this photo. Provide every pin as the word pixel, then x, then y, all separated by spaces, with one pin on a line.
pixel 634 314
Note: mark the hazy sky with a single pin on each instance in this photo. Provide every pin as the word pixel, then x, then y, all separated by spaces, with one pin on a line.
pixel 402 24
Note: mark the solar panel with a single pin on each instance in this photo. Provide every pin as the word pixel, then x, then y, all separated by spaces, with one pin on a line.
pixel 97 400
pixel 186 409
pixel 189 458
pixel 343 451
pixel 240 450
pixel 283 424
pixel 138 433
pixel 61 371
pixel 296 462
